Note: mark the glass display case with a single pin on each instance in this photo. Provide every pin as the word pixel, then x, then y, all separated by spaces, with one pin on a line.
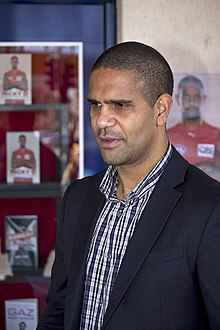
pixel 41 152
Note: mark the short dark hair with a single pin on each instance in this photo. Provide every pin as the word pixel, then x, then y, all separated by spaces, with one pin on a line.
pixel 22 136
pixel 147 64
pixel 190 80
pixel 14 57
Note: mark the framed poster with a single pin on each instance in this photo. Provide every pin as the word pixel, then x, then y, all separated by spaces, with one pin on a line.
pixel 23 157
pixel 16 80
pixel 194 122
pixel 48 74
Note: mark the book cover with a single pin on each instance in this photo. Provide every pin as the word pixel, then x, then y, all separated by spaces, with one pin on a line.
pixel 16 82
pixel 21 314
pixel 21 240
pixel 23 157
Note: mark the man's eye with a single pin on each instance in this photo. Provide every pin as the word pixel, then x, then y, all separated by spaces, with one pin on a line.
pixel 120 105
pixel 94 105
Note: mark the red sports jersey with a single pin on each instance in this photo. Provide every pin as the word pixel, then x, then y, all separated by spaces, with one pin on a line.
pixel 22 173
pixel 16 89
pixel 195 146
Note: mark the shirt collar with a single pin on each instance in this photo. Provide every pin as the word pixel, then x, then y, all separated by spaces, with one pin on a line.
pixel 108 185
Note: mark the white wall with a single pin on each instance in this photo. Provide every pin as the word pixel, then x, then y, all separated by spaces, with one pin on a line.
pixel 186 32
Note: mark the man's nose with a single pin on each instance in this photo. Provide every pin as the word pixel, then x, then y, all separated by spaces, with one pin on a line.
pixel 105 118
pixel 192 100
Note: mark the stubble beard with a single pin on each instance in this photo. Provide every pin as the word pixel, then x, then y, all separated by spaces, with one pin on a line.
pixel 191 113
pixel 115 158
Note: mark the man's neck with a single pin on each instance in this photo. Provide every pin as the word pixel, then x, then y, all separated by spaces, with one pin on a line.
pixel 129 176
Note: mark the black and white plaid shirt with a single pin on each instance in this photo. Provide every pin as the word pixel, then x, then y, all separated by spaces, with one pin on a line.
pixel 114 229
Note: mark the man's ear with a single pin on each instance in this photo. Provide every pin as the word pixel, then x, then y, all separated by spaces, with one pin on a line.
pixel 163 106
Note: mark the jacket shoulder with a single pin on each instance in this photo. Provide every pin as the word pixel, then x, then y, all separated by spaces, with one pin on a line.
pixel 84 185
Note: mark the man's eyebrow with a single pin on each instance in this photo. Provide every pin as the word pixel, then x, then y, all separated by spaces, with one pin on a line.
pixel 112 101
pixel 91 100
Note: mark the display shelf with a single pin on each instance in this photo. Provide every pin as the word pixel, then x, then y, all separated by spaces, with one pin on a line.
pixel 33 107
pixel 24 275
pixel 38 278
pixel 47 189
pixel 54 142
pixel 40 198
pixel 43 134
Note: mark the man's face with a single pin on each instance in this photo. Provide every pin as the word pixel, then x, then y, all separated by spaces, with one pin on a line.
pixel 191 99
pixel 22 142
pixel 22 326
pixel 123 123
pixel 14 63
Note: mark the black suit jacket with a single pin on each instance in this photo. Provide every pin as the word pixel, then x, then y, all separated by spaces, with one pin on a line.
pixel 170 274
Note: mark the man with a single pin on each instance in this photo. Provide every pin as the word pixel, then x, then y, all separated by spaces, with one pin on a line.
pixel 22 325
pixel 23 162
pixel 15 84
pixel 138 244
pixel 194 138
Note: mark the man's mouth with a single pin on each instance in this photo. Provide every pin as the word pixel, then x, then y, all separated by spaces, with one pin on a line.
pixel 191 113
pixel 109 142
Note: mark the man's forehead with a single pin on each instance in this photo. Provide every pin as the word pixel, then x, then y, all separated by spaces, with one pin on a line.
pixel 191 89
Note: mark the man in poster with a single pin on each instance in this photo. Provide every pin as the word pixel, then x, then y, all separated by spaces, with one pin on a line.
pixel 193 137
pixel 15 85
pixel 23 162
pixel 22 325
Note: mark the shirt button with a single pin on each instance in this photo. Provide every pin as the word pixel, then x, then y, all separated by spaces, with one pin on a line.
pixel 108 256
pixel 134 200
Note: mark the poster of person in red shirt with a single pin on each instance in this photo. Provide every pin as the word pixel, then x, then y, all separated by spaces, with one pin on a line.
pixel 194 126
pixel 15 72
pixel 23 157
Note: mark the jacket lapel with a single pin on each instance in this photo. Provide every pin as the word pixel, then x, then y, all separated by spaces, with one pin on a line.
pixel 91 209
pixel 149 227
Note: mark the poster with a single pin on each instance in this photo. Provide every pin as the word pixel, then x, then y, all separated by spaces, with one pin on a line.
pixel 15 79
pixel 23 157
pixel 21 240
pixel 194 122
pixel 21 314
